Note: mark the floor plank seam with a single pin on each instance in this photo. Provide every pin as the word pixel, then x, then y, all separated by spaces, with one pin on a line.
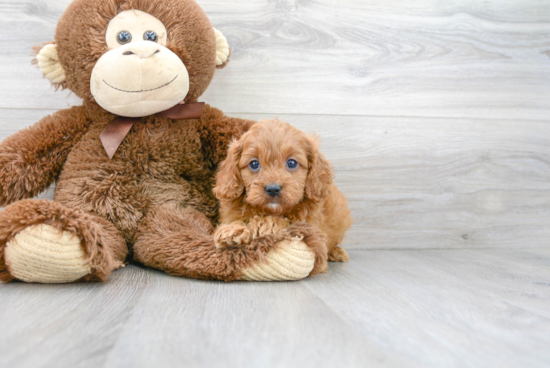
pixel 237 113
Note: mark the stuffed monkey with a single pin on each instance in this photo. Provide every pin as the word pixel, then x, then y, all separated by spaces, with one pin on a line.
pixel 134 166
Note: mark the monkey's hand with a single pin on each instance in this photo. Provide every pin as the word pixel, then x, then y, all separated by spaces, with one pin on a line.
pixel 231 235
pixel 31 159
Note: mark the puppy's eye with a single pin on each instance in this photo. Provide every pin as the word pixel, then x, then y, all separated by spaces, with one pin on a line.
pixel 292 164
pixel 255 165
pixel 124 37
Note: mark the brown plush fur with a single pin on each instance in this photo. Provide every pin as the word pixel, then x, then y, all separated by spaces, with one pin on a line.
pixel 154 197
pixel 308 193
pixel 173 238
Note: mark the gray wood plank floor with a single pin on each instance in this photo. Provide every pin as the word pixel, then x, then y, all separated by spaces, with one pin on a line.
pixel 402 308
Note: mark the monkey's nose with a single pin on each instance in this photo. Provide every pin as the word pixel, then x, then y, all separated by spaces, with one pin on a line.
pixel 142 50
pixel 273 190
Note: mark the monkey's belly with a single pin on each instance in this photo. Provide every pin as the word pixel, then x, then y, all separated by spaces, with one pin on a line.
pixel 136 180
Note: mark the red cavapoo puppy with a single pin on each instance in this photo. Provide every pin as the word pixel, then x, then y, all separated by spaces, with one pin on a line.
pixel 274 176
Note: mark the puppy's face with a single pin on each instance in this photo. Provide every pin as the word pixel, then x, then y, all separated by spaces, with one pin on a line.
pixel 274 166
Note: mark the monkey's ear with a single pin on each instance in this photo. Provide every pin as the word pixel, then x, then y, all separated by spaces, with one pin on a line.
pixel 222 50
pixel 48 62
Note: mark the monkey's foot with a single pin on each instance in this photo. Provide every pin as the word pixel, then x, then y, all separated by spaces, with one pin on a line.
pixel 44 254
pixel 300 252
pixel 290 260
pixel 46 242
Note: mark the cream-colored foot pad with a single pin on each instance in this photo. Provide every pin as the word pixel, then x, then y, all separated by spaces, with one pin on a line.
pixel 44 254
pixel 292 260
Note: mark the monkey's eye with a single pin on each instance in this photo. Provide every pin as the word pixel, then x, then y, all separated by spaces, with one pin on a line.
pixel 292 164
pixel 124 37
pixel 150 36
pixel 254 165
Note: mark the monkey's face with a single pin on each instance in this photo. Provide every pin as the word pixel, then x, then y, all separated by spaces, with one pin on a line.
pixel 138 76
pixel 134 57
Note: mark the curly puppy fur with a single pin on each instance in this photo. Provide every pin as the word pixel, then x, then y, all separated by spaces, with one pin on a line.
pixel 307 193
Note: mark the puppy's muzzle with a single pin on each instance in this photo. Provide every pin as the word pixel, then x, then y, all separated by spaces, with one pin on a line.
pixel 273 190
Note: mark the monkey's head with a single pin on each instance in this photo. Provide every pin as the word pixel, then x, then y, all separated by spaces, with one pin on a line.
pixel 134 57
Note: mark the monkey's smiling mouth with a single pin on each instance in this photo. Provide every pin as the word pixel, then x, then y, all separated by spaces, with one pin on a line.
pixel 143 90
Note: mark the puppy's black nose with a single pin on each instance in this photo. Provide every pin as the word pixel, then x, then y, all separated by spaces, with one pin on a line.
pixel 273 190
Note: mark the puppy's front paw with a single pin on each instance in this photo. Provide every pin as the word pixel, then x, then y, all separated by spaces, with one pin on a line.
pixel 267 225
pixel 234 234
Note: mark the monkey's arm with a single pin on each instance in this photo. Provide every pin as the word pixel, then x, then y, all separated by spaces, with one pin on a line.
pixel 31 159
pixel 218 130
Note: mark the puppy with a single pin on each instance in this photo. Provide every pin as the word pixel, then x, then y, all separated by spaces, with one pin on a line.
pixel 273 176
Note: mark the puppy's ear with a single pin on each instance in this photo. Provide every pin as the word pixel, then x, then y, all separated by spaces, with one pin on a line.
pixel 319 177
pixel 229 184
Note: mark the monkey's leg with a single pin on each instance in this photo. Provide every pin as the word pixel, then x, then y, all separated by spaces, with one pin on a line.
pixel 180 242
pixel 46 242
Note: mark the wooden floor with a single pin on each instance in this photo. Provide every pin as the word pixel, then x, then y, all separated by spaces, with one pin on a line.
pixel 436 117
pixel 390 308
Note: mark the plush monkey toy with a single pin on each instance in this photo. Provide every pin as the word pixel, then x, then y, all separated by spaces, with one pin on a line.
pixel 134 166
